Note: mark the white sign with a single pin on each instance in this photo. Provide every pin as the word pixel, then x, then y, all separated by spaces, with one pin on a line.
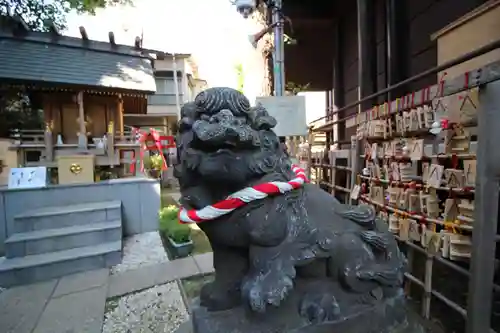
pixel 290 113
pixel 32 177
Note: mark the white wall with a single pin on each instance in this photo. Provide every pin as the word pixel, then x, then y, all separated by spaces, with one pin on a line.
pixel 182 65
pixel 315 104
pixel 167 64
pixel 253 63
pixel 169 110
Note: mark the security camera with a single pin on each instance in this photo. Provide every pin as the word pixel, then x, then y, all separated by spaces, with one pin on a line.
pixel 245 7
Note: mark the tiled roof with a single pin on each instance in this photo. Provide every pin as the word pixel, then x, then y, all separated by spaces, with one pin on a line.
pixel 46 57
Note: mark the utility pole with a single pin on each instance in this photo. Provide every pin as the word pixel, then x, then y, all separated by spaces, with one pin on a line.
pixel 246 8
pixel 279 48
pixel 176 87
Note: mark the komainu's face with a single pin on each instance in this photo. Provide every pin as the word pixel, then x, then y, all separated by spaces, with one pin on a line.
pixel 222 139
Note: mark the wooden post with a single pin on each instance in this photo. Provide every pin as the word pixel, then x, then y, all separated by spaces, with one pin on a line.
pixel 82 137
pixel 397 30
pixel 110 147
pixel 350 163
pixel 49 128
pixel 310 141
pixel 49 145
pixel 119 117
pixel 333 166
pixel 338 92
pixel 479 303
pixel 366 63
pixel 410 254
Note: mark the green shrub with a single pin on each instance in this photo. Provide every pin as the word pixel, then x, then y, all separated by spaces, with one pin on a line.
pixel 170 226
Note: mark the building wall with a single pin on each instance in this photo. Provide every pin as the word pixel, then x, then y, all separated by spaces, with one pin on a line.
pixel 167 64
pixel 61 112
pixel 167 110
pixel 425 18
pixel 160 123
pixel 478 28
pixel 422 18
pixel 311 60
pixel 164 101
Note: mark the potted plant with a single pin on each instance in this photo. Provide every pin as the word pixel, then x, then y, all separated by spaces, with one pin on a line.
pixel 153 166
pixel 177 235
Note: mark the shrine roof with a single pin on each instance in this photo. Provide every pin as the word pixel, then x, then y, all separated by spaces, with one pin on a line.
pixel 52 58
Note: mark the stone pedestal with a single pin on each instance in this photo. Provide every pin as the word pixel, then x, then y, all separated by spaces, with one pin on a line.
pixel 392 316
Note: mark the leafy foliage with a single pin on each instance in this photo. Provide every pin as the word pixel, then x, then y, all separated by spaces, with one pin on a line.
pixel 39 15
pixel 170 226
pixel 18 110
pixel 294 88
pixel 241 77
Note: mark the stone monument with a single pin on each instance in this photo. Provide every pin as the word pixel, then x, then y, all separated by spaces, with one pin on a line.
pixel 288 256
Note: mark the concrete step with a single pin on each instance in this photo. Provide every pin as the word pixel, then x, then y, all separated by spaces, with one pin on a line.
pixel 51 240
pixel 67 216
pixel 46 266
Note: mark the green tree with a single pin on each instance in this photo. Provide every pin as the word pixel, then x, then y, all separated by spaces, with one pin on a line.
pixel 39 15
pixel 19 110
pixel 241 77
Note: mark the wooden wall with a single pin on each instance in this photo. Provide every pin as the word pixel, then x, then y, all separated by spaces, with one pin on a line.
pixel 61 109
pixel 310 60
pixel 418 19
pixel 425 18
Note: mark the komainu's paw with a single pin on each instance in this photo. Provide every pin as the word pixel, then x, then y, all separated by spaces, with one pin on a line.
pixel 319 307
pixel 215 298
pixel 268 288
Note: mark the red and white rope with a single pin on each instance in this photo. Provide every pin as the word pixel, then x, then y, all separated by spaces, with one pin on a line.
pixel 242 197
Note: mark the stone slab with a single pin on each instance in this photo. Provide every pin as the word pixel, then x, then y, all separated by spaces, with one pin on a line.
pixel 176 196
pixel 149 276
pixel 70 209
pixel 180 269
pixel 21 307
pixel 205 262
pixel 81 281
pixel 46 266
pixel 390 316
pixel 81 312
pixel 133 280
pixel 186 327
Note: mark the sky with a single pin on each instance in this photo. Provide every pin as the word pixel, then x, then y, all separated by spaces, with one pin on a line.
pixel 211 30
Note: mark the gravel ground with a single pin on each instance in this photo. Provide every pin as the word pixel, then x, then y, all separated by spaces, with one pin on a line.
pixel 141 250
pixel 156 310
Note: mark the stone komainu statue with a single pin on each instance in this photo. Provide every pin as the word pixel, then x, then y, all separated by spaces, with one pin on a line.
pixel 299 261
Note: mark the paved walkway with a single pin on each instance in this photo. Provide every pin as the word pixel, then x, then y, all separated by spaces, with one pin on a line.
pixel 75 303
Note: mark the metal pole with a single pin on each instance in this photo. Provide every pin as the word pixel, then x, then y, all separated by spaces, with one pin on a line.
pixel 176 88
pixel 279 53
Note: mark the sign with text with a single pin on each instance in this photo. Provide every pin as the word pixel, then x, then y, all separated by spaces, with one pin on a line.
pixel 289 111
pixel 31 177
